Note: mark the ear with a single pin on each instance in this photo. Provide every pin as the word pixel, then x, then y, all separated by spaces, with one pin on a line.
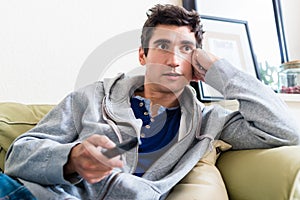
pixel 142 57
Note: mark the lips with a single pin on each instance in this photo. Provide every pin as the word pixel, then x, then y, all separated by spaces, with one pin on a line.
pixel 172 74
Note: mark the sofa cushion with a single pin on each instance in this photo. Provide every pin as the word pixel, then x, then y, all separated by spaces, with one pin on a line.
pixel 204 181
pixel 15 119
pixel 262 174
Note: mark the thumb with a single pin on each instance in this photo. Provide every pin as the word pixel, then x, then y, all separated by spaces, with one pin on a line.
pixel 102 141
pixel 95 143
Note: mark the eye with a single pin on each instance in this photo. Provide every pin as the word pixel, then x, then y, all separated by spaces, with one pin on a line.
pixel 163 46
pixel 187 49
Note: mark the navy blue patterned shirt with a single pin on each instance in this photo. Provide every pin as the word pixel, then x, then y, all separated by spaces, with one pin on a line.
pixel 157 134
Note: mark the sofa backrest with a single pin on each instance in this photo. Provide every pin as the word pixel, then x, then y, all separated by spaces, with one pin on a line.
pixel 15 119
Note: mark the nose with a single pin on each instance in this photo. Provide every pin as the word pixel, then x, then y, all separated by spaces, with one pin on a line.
pixel 173 59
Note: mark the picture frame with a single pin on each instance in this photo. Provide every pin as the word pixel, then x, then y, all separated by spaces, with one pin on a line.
pixel 229 39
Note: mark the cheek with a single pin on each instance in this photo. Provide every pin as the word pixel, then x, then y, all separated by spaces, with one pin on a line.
pixel 152 69
pixel 188 69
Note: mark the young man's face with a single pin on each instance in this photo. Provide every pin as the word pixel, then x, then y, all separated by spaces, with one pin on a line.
pixel 168 62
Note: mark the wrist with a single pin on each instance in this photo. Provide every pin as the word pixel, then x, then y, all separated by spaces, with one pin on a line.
pixel 69 168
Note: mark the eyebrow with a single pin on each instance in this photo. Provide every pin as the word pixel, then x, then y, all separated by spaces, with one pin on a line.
pixel 186 42
pixel 159 41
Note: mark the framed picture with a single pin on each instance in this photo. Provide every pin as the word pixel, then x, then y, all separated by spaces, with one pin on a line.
pixel 229 39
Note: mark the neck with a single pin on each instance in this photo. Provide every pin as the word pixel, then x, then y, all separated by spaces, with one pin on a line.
pixel 165 99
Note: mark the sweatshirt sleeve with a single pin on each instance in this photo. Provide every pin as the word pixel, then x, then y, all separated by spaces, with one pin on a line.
pixel 40 154
pixel 262 121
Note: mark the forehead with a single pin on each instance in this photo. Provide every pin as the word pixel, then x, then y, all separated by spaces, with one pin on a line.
pixel 173 33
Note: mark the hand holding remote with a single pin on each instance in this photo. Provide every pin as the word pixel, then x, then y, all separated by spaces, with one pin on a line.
pixel 86 159
pixel 121 148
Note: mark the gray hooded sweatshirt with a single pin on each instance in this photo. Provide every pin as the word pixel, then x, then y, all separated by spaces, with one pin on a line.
pixel 38 156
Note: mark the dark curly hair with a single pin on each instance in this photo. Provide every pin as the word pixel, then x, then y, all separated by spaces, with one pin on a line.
pixel 171 15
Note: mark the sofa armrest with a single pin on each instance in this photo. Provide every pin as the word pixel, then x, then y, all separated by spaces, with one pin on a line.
pixel 15 119
pixel 261 174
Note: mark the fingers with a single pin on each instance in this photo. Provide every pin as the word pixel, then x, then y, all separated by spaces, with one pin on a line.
pixel 196 61
pixel 198 75
pixel 92 172
pixel 201 62
pixel 101 140
pixel 87 160
pixel 94 145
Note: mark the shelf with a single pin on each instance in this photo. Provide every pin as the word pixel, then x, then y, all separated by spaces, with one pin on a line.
pixel 289 97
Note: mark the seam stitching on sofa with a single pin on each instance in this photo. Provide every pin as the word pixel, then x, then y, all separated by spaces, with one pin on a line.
pixel 18 122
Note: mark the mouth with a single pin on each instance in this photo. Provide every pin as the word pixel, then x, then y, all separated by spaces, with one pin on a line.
pixel 172 74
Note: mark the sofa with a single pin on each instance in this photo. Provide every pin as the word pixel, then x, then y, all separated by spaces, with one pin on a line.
pixel 260 174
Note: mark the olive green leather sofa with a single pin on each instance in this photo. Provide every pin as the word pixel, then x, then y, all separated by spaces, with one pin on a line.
pixel 263 174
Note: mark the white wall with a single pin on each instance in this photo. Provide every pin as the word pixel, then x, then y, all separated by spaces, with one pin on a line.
pixel 44 43
pixel 291 20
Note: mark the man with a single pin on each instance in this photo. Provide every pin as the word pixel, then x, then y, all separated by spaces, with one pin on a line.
pixel 62 156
